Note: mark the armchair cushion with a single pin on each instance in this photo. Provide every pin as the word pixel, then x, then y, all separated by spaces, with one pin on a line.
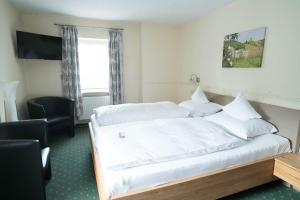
pixel 45 152
pixel 58 119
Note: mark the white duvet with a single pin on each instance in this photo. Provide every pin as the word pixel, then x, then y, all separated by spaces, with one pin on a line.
pixel 130 112
pixel 140 143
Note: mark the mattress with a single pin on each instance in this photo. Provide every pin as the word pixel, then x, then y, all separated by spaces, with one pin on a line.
pixel 141 177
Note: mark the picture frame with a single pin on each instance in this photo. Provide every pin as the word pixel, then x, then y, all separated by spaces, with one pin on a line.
pixel 244 49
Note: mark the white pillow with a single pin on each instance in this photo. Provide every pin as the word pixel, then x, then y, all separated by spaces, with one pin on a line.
pixel 199 96
pixel 200 109
pixel 241 109
pixel 243 129
pixel 115 114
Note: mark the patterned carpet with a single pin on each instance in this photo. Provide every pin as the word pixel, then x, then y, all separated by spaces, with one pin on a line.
pixel 72 170
pixel 73 177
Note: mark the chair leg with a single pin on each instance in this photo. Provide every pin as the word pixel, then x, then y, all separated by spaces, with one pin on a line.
pixel 72 131
pixel 48 174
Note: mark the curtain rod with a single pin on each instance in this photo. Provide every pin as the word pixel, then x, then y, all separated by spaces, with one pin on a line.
pixel 100 27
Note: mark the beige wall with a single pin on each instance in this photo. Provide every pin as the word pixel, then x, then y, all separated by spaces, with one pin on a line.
pixel 43 77
pixel 159 53
pixel 159 58
pixel 10 67
pixel 148 48
pixel 277 82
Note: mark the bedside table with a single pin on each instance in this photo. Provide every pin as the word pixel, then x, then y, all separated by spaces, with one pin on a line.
pixel 287 168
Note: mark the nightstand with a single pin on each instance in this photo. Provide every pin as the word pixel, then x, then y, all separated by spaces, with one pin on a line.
pixel 287 168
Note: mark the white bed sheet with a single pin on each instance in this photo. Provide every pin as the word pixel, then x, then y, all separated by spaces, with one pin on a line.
pixel 127 180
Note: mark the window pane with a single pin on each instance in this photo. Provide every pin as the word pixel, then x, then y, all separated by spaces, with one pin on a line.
pixel 94 64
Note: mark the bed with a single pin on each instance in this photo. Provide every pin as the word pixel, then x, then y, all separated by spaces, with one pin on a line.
pixel 207 176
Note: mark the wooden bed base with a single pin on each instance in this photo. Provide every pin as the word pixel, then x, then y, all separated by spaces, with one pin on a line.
pixel 205 187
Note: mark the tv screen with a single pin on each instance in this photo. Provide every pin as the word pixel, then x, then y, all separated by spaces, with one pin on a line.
pixel 36 46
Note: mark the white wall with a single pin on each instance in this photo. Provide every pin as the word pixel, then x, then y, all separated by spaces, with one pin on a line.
pixel 10 67
pixel 277 82
pixel 43 77
pixel 159 53
pixel 148 48
pixel 159 58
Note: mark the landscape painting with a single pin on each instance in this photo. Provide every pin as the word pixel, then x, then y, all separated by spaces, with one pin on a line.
pixel 244 49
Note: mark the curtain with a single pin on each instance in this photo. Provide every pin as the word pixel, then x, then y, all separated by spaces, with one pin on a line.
pixel 70 67
pixel 116 66
pixel 8 92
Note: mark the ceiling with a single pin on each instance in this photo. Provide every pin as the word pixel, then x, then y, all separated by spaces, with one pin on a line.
pixel 167 11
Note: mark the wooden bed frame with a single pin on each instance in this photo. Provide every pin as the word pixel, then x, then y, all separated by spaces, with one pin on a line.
pixel 219 183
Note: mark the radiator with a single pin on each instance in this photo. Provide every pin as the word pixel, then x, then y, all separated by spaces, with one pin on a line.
pixel 89 103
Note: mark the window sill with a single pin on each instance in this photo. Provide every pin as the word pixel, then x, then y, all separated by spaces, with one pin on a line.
pixel 94 94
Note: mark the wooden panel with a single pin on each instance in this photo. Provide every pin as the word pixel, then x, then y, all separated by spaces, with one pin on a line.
pixel 210 186
pixel 292 160
pixel 287 168
pixel 287 174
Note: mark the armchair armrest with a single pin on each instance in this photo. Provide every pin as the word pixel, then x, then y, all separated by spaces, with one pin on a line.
pixel 27 129
pixel 67 105
pixel 36 111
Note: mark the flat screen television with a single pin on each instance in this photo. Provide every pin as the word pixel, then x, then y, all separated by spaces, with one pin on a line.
pixel 36 46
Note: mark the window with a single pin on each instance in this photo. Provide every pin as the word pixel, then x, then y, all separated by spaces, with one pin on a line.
pixel 94 65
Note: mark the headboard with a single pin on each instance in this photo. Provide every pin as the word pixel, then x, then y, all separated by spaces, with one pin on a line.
pixel 285 119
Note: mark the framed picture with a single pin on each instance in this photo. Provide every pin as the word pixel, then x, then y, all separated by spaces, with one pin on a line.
pixel 244 49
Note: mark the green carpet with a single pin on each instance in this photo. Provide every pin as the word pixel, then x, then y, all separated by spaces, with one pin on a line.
pixel 72 170
pixel 73 176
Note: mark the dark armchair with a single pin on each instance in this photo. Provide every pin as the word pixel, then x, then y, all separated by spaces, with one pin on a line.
pixel 24 160
pixel 58 111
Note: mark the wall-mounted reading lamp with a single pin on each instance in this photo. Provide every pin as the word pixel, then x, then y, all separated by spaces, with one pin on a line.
pixel 195 79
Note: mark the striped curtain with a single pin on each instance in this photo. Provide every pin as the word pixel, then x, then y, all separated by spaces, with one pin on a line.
pixel 70 67
pixel 116 66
